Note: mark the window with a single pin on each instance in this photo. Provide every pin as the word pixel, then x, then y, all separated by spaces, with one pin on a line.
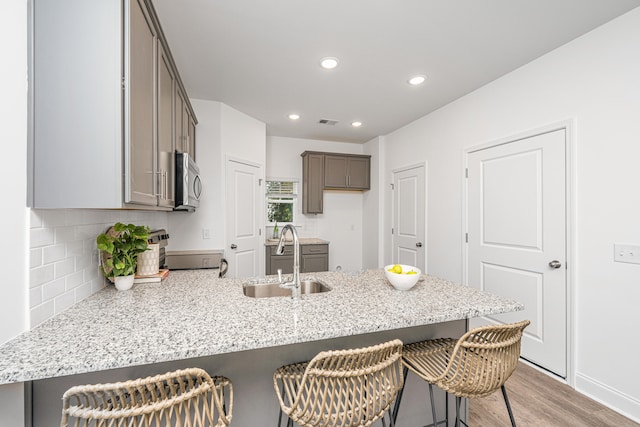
pixel 281 201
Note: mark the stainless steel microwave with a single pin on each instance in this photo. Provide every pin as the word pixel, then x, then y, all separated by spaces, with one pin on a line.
pixel 188 183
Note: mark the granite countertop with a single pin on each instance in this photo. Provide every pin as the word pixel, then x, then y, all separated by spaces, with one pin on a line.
pixel 194 313
pixel 302 240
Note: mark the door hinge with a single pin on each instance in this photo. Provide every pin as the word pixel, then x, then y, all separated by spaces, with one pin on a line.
pixel 123 84
pixel 259 182
pixel 466 237
pixel 392 187
pixel 466 172
pixel 392 231
pixel 259 231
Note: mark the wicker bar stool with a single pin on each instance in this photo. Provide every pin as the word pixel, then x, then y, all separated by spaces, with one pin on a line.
pixel 473 366
pixel 183 398
pixel 341 388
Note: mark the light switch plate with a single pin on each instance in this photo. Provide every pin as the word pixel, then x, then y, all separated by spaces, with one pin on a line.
pixel 626 253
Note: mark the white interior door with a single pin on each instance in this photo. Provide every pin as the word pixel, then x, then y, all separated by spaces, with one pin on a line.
pixel 409 217
pixel 517 238
pixel 244 207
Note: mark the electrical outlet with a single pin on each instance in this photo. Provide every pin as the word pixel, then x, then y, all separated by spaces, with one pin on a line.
pixel 206 234
pixel 626 253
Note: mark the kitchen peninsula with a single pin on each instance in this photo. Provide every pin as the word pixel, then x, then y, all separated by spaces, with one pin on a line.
pixel 194 318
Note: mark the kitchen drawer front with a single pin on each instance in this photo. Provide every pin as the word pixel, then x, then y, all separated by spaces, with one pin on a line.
pixel 315 249
pixel 288 250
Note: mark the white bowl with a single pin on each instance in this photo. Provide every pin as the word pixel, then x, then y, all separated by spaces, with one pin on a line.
pixel 402 282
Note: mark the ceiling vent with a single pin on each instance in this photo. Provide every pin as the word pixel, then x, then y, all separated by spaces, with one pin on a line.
pixel 328 122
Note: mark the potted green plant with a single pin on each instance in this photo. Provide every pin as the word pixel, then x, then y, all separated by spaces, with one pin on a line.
pixel 119 248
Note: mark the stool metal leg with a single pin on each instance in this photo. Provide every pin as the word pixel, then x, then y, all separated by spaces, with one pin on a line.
pixel 396 406
pixel 433 406
pixel 506 401
pixel 458 398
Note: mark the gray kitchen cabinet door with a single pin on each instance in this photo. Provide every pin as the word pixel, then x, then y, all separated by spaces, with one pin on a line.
pixel 166 134
pixel 191 137
pixel 141 158
pixel 314 263
pixel 180 118
pixel 335 171
pixel 312 182
pixel 358 173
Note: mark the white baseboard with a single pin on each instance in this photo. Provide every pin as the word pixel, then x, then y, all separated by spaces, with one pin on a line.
pixel 611 398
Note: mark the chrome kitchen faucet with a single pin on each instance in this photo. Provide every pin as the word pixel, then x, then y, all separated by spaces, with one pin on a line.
pixel 294 285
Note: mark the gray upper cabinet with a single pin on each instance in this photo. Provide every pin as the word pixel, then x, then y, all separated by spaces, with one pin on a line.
pixel 346 172
pixel 331 171
pixel 103 105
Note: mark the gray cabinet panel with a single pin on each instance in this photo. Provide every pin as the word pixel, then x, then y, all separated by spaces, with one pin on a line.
pixel 166 145
pixel 311 263
pixel 358 173
pixel 312 183
pixel 335 172
pixel 141 91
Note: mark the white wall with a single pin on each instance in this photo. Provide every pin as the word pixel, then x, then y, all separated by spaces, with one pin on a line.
pixel 13 254
pixel 593 80
pixel 185 228
pixel 341 222
pixel 373 207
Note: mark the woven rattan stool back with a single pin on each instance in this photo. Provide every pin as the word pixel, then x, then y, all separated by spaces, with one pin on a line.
pixel 342 388
pixel 184 398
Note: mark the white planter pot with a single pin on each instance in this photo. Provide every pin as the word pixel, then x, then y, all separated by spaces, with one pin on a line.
pixel 124 282
pixel 149 260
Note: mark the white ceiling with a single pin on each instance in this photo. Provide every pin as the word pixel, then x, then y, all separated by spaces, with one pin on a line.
pixel 261 57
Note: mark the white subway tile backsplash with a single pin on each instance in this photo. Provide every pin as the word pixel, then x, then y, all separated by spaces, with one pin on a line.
pixel 41 275
pixel 51 254
pixel 65 234
pixel 64 258
pixel 83 291
pixel 64 301
pixel 64 267
pixel 41 237
pixel 41 313
pixel 53 289
pixel 74 280
pixel 35 258
pixel 35 296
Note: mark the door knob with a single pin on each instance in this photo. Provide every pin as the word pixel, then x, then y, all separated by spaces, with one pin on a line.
pixel 419 244
pixel 555 264
pixel 234 246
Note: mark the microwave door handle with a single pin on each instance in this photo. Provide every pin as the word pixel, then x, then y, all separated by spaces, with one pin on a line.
pixel 197 187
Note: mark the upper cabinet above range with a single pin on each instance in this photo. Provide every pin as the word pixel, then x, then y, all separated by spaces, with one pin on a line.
pixel 108 107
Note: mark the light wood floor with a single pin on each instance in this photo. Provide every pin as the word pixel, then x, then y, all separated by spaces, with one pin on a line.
pixel 540 401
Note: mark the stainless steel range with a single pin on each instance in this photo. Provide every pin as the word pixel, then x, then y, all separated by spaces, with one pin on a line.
pixel 161 237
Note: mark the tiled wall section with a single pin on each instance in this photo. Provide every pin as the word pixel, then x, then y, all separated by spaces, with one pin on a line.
pixel 64 258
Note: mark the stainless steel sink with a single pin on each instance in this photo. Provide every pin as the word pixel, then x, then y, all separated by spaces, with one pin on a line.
pixel 273 289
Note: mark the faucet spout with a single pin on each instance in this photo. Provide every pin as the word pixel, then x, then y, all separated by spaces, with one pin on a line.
pixel 295 282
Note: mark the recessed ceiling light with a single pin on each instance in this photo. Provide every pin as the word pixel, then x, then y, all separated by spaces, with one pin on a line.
pixel 329 63
pixel 416 80
pixel 294 116
pixel 356 124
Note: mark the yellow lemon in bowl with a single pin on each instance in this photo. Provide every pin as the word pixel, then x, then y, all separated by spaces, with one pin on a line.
pixel 397 268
